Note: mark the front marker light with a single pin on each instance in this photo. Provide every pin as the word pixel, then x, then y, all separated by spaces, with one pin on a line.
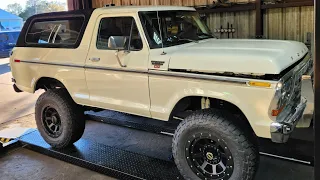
pixel 259 84
pixel 276 112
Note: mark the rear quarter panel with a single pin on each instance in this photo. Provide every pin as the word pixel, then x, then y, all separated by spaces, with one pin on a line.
pixel 27 74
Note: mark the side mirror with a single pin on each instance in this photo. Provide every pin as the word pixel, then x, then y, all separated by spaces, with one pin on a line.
pixel 117 42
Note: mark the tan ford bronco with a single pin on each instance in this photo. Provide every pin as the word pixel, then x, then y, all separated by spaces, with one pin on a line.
pixel 161 62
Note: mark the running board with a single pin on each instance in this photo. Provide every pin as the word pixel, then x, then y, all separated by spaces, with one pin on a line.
pixel 108 160
pixel 295 150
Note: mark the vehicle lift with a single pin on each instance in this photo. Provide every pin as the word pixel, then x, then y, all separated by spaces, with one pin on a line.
pixel 124 164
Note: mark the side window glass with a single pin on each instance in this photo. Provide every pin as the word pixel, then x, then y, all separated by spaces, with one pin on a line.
pixel 64 32
pixel 118 33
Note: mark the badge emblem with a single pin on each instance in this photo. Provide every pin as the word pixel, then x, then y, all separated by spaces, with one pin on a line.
pixel 209 155
pixel 157 64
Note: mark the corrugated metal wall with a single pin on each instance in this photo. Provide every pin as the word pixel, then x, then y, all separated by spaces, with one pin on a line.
pixel 282 23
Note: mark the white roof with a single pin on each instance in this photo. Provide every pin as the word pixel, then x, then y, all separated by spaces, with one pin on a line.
pixel 4 15
pixel 144 8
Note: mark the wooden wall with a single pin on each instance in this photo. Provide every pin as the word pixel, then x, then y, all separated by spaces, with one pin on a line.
pixel 282 23
pixel 289 23
pixel 243 22
pixel 100 3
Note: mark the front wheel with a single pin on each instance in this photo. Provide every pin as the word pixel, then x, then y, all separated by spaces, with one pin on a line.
pixel 207 145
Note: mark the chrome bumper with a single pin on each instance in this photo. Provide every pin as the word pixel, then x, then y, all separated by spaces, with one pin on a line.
pixel 280 131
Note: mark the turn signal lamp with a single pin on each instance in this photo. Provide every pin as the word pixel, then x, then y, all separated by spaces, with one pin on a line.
pixel 276 112
pixel 259 84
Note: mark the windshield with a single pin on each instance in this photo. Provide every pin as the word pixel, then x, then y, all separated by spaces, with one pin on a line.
pixel 177 27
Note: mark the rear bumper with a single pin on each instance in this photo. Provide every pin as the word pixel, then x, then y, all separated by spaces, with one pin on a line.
pixel 280 131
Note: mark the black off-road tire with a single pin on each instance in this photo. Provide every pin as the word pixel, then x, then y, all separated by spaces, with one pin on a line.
pixel 1 147
pixel 71 116
pixel 220 124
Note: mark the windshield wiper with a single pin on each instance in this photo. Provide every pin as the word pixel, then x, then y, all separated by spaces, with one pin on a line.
pixel 206 34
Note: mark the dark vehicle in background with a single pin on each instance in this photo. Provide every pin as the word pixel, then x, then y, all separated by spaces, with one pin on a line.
pixel 8 41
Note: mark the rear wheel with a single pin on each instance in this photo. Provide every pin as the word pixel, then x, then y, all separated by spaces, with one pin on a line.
pixel 59 119
pixel 207 145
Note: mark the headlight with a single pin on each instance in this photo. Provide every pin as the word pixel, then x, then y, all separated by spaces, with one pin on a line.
pixel 288 92
pixel 282 97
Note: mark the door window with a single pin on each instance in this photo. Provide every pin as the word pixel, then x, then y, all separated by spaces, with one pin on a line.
pixel 118 33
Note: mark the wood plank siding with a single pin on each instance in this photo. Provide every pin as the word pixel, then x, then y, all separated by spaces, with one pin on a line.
pixel 292 23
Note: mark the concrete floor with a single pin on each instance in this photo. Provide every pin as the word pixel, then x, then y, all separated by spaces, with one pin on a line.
pixel 13 105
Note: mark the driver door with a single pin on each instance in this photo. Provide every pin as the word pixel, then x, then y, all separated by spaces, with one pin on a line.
pixel 117 66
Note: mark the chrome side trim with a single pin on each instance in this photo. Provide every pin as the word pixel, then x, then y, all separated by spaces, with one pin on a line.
pixel 87 67
pixel 152 72
pixel 117 69
pixel 199 76
pixel 55 64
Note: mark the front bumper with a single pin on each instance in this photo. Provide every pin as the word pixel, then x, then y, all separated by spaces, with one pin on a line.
pixel 280 131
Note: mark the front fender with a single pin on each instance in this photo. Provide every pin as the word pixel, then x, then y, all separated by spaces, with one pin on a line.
pixel 254 102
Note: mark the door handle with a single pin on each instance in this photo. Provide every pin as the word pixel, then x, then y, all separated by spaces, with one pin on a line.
pixel 94 59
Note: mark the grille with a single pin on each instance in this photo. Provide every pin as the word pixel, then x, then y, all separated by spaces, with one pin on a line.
pixel 296 87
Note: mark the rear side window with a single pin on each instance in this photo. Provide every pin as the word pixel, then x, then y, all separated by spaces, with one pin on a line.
pixel 57 33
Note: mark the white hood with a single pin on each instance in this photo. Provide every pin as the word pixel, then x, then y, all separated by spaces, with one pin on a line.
pixel 238 56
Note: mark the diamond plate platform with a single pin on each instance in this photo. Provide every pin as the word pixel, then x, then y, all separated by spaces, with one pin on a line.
pixel 295 150
pixel 104 159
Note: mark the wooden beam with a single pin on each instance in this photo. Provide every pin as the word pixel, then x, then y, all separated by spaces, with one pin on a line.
pixel 71 5
pixel 288 4
pixel 317 91
pixel 259 20
pixel 79 4
pixel 253 6
pixel 232 8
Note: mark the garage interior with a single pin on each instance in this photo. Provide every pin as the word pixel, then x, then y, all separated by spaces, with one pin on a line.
pixel 121 146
